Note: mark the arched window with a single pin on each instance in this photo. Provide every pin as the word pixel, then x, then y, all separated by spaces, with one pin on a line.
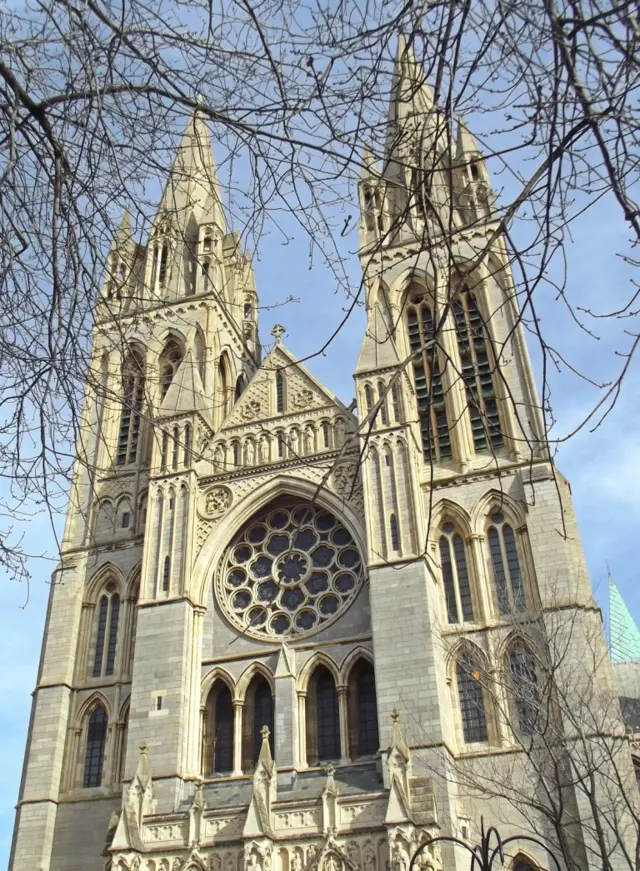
pixel 133 395
pixel 505 564
pixel 455 575
pixel 170 359
pixel 279 392
pixel 326 434
pixel 187 445
pixel 471 700
pixel 395 402
pixel 477 371
pixel 257 712
pixel 363 712
pixel 164 454
pixel 166 574
pixel 199 353
pixel 521 863
pixel 393 531
pixel 225 386
pixel 218 732
pixel 106 631
pixel 432 411
pixel 524 686
pixel 207 243
pixel 176 448
pixel 382 398
pixel 323 718
pixel 164 263
pixel 281 444
pixel 368 397
pixel 236 453
pixel 240 385
pixel 94 750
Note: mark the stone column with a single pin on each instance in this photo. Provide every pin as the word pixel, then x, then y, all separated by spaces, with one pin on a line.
pixel 238 708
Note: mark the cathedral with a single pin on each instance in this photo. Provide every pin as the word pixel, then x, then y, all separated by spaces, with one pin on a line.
pixel 287 633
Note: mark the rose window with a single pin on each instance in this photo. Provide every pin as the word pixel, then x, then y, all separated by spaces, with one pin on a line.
pixel 292 569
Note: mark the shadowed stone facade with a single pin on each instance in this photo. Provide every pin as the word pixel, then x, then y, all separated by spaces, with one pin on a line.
pixel 243 552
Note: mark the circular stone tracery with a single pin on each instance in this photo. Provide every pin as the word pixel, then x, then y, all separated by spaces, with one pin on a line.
pixel 291 570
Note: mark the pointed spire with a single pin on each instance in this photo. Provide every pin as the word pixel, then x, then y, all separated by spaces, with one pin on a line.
pixel 193 185
pixel 466 144
pixel 265 756
pixel 369 166
pixel 410 92
pixel 123 233
pixel 185 393
pixel 397 736
pixel 378 347
pixel 143 771
pixel 624 635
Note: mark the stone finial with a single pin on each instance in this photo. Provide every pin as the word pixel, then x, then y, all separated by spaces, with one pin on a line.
pixel 278 332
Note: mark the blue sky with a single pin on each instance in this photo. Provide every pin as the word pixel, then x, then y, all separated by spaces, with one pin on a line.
pixel 602 466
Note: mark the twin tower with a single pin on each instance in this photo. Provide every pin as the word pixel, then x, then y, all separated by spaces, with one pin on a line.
pixel 277 629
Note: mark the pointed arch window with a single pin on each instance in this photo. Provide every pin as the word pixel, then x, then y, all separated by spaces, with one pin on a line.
pixel 95 747
pixel 257 712
pixel 505 565
pixel 176 448
pixel 525 689
pixel 432 411
pixel 225 386
pixel 368 397
pixel 106 631
pixel 478 373
pixel 472 701
pixel 280 392
pixel 323 718
pixel 363 711
pixel 219 731
pixel 326 434
pixel 240 385
pixel 133 394
pixel 521 863
pixel 455 575
pixel 394 533
pixel 396 403
pixel 382 398
pixel 170 359
pixel 187 445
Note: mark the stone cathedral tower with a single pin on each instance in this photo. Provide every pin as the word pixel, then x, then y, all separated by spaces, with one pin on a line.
pixel 274 625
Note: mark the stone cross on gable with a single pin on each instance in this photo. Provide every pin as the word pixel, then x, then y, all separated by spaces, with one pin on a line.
pixel 278 332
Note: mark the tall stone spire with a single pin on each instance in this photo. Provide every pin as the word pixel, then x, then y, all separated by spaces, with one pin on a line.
pixel 193 187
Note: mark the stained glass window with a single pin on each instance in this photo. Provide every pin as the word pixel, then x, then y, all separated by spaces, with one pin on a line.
pixel 94 752
pixel 364 711
pixel 327 717
pixel 106 631
pixel 471 698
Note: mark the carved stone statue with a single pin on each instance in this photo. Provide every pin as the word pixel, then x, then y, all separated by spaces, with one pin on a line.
pixel 294 442
pixel 250 453
pixel 309 446
pixel 264 450
pixel 296 862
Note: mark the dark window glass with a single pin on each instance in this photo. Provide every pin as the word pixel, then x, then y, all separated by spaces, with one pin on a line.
pixel 103 610
pixel 477 374
pixel 448 581
pixel 236 454
pixel 383 404
pixel 223 733
pixel 133 392
pixel 325 434
pixel 113 633
pixel 471 696
pixel 434 425
pixel 239 387
pixel 279 392
pixel 166 573
pixel 367 714
pixel 165 451
pixel 187 445
pixel 164 259
pixel 395 402
pixel 505 563
pixel 262 716
pixel 176 447
pixel 525 688
pixel 94 754
pixel 368 397
pixel 327 717
pixel 395 537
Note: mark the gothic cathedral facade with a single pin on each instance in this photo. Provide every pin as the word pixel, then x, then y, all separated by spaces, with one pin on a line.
pixel 275 619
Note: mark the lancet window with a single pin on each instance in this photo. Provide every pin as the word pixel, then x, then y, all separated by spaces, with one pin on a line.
pixel 95 746
pixel 106 633
pixel 133 395
pixel 524 686
pixel 505 565
pixel 471 698
pixel 257 713
pixel 225 386
pixel 432 411
pixel 478 373
pixel 455 575
pixel 169 361
pixel 218 731
pixel 362 707
pixel 280 392
pixel 323 718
